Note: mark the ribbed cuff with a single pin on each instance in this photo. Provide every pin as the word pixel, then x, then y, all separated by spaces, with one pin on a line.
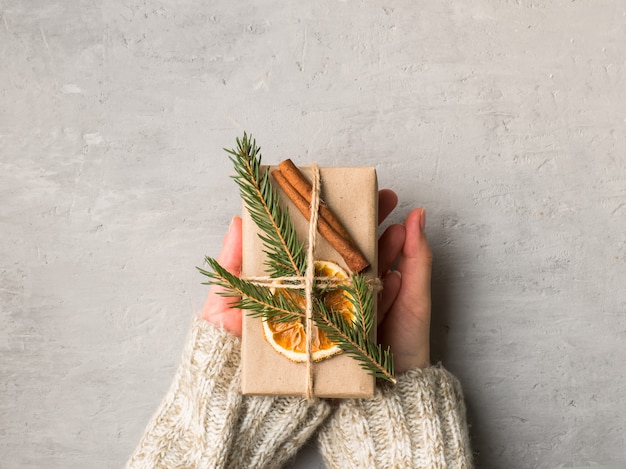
pixel 204 421
pixel 419 422
pixel 196 420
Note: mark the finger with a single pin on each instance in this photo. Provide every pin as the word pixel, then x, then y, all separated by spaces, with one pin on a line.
pixel 415 265
pixel 230 258
pixel 230 255
pixel 387 201
pixel 391 287
pixel 389 247
pixel 217 308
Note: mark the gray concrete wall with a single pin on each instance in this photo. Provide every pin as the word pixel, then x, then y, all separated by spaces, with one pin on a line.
pixel 506 119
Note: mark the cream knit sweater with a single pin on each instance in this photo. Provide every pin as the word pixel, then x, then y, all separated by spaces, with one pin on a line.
pixel 205 422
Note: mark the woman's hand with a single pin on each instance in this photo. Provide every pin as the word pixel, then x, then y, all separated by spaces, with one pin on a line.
pixel 404 304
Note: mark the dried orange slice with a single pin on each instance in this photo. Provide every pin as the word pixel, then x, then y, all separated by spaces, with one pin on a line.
pixel 289 338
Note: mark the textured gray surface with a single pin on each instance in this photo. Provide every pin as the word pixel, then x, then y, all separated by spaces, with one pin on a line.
pixel 506 119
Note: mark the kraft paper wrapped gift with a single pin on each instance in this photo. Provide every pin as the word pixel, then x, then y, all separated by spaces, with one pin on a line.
pixel 352 194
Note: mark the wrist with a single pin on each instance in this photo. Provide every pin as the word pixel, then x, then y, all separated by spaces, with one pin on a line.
pixel 406 362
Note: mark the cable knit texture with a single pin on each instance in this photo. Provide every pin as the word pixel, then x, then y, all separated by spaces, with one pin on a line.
pixel 419 423
pixel 205 422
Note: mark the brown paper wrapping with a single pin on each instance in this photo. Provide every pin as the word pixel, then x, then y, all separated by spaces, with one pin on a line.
pixel 352 193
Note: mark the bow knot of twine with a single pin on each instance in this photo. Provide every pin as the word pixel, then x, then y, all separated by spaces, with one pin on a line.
pixel 309 280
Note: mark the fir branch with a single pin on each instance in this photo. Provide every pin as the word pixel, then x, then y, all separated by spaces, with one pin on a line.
pixel 286 255
pixel 362 300
pixel 259 301
pixel 353 336
pixel 351 340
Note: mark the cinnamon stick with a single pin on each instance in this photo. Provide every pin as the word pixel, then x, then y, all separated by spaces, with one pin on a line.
pixel 355 260
pixel 303 186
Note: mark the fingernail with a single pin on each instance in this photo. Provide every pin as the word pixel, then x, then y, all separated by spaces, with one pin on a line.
pixel 232 222
pixel 384 275
pixel 386 278
pixel 422 219
pixel 391 272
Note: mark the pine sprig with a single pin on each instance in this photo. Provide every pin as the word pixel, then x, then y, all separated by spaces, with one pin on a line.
pixel 362 300
pixel 285 253
pixel 353 336
pixel 258 300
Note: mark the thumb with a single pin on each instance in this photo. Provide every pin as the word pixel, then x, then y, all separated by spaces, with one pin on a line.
pixel 415 265
pixel 217 308
pixel 230 255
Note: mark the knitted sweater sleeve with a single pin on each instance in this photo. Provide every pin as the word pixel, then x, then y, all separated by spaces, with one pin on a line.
pixel 205 422
pixel 419 423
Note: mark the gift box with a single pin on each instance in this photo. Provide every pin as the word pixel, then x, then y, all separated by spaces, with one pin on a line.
pixel 352 194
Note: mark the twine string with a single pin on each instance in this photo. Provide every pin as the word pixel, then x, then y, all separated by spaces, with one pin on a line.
pixel 298 283
pixel 310 278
